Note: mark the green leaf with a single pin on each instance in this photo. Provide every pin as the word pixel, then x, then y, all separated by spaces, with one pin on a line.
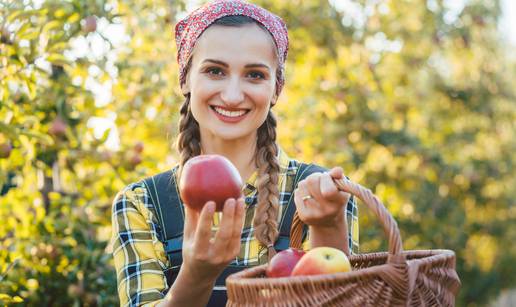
pixel 42 137
pixel 105 135
pixel 59 59
pixel 58 47
pixel 26 26
pixel 54 24
pixel 14 15
pixel 32 35
pixel 9 130
pixel 73 18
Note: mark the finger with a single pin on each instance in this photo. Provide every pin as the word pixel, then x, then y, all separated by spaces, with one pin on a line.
pixel 329 190
pixel 332 196
pixel 236 236
pixel 313 187
pixel 239 217
pixel 304 207
pixel 313 178
pixel 223 235
pixel 336 172
pixel 300 206
pixel 204 225
pixel 191 220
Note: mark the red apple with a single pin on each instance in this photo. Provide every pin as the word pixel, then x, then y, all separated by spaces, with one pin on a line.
pixel 58 127
pixel 90 24
pixel 138 147
pixel 106 155
pixel 322 260
pixel 283 263
pixel 5 150
pixel 135 159
pixel 209 177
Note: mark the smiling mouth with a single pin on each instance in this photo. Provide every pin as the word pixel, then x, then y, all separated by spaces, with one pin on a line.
pixel 227 113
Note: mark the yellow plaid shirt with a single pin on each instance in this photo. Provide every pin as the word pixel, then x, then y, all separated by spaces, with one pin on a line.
pixel 140 258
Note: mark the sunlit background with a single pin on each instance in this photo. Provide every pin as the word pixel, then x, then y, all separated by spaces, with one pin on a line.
pixel 414 99
pixel 354 13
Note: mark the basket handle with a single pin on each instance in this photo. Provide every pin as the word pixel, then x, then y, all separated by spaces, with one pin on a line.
pixel 390 227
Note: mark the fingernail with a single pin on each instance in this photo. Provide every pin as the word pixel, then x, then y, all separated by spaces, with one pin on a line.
pixel 230 204
pixel 210 207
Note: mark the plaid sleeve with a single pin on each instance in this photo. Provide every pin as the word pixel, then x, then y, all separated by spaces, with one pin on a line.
pixel 140 276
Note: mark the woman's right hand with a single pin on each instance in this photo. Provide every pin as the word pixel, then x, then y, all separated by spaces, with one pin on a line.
pixel 205 256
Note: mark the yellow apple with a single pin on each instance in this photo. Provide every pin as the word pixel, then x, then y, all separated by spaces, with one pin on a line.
pixel 322 260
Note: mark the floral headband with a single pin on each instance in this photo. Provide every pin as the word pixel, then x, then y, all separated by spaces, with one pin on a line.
pixel 192 26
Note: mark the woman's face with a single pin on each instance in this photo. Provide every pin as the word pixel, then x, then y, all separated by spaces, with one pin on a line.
pixel 232 81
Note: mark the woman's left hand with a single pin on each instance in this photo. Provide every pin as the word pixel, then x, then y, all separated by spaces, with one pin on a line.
pixel 318 201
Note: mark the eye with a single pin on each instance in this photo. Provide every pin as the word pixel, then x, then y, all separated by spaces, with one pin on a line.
pixel 214 71
pixel 256 75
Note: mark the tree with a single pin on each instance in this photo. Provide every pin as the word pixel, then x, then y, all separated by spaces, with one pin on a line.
pixel 59 179
pixel 417 106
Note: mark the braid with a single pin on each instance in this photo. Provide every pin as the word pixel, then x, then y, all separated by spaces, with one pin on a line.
pixel 266 216
pixel 188 141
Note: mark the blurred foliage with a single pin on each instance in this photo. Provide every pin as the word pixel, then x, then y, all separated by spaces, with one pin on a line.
pixel 419 107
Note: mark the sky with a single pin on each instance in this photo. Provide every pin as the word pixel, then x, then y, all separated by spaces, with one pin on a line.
pixel 354 14
pixel 508 22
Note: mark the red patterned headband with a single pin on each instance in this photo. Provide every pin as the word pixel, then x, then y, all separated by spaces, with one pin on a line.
pixel 192 26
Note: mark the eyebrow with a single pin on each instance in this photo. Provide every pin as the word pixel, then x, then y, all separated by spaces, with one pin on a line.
pixel 253 65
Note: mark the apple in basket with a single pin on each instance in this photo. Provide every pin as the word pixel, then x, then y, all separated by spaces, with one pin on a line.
pixel 322 260
pixel 283 263
pixel 209 177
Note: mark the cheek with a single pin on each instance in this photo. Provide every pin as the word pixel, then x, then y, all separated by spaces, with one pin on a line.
pixel 263 109
pixel 198 105
pixel 202 87
pixel 200 94
pixel 262 96
pixel 195 110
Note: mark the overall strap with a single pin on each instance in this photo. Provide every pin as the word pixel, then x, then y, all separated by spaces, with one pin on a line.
pixel 170 213
pixel 284 240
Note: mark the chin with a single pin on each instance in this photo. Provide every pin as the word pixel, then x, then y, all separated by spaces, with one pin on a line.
pixel 231 134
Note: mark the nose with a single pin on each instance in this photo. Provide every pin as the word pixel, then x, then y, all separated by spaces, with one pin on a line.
pixel 232 93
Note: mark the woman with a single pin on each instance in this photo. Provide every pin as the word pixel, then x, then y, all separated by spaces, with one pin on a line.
pixel 231 56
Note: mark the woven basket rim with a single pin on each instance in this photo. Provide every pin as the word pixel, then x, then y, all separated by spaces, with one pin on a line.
pixel 428 256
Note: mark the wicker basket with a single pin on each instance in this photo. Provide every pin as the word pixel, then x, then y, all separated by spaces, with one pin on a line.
pixel 393 278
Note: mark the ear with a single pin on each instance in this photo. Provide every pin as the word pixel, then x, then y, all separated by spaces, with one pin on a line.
pixel 274 100
pixel 185 87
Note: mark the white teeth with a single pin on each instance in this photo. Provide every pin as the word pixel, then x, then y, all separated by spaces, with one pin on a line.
pixel 229 113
